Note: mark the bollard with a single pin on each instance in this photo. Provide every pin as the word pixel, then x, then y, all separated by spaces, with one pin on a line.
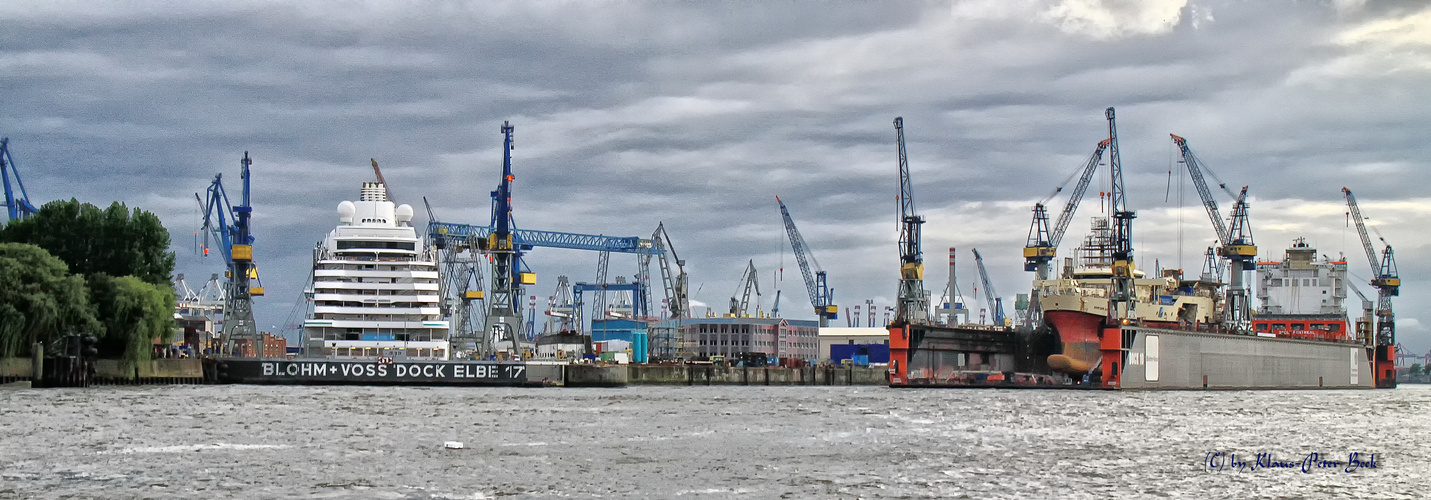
pixel 37 365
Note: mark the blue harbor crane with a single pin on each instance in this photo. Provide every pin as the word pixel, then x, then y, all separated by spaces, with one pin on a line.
pixel 1236 243
pixel 1042 246
pixel 996 303
pixel 229 225
pixel 1388 285
pixel 504 313
pixel 17 201
pixel 913 306
pixel 821 296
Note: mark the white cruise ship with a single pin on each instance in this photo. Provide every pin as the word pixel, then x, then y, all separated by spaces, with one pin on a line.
pixel 375 286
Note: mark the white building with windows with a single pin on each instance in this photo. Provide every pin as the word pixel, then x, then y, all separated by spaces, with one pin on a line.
pixel 375 286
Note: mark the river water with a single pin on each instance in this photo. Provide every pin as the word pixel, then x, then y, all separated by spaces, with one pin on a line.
pixel 708 442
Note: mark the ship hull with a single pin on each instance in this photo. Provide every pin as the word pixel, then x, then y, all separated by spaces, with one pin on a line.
pixel 1129 358
pixel 1078 334
pixel 1178 359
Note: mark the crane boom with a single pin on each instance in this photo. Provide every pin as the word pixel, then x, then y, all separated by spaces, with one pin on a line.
pixel 17 207
pixel 995 302
pixel 1070 206
pixel 1195 171
pixel 821 295
pixel 379 174
pixel 912 307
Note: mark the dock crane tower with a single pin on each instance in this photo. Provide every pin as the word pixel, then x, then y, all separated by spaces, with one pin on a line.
pixel 504 313
pixel 996 303
pixel 673 279
pixel 821 296
pixel 1043 242
pixel 1388 285
pixel 748 280
pixel 1120 305
pixel 1236 243
pixel 913 308
pixel 16 207
pixel 229 224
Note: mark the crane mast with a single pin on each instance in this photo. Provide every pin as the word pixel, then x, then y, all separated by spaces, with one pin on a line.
pixel 996 303
pixel 1388 285
pixel 1236 243
pixel 1121 303
pixel 912 308
pixel 821 296
pixel 504 314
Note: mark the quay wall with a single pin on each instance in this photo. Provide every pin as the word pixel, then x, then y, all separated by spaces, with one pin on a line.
pixel 760 375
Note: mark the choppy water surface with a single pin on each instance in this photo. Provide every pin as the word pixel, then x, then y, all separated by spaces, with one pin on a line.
pixel 703 442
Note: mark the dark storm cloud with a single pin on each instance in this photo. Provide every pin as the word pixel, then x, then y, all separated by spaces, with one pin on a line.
pixel 698 115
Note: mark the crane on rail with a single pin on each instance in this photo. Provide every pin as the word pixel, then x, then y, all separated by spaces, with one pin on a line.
pixel 1388 285
pixel 229 224
pixel 913 307
pixel 1235 242
pixel 17 201
pixel 996 303
pixel 821 296
pixel 1043 242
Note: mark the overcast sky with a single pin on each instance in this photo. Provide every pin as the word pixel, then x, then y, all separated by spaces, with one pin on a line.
pixel 632 113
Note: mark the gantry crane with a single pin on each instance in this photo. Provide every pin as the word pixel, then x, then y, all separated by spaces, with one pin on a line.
pixel 750 279
pixel 504 314
pixel 996 303
pixel 1388 285
pixel 821 296
pixel 1120 305
pixel 16 207
pixel 229 224
pixel 1236 243
pixel 913 308
pixel 1043 242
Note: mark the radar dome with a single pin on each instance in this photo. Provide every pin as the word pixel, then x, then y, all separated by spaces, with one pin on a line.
pixel 404 213
pixel 346 211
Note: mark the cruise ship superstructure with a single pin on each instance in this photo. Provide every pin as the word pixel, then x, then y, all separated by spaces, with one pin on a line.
pixel 375 286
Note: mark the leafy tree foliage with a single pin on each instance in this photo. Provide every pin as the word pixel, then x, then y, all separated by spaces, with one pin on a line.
pixel 134 313
pixel 113 241
pixel 40 300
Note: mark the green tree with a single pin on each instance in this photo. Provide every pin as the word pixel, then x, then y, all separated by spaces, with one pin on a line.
pixel 40 300
pixel 134 313
pixel 114 241
pixel 1415 369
